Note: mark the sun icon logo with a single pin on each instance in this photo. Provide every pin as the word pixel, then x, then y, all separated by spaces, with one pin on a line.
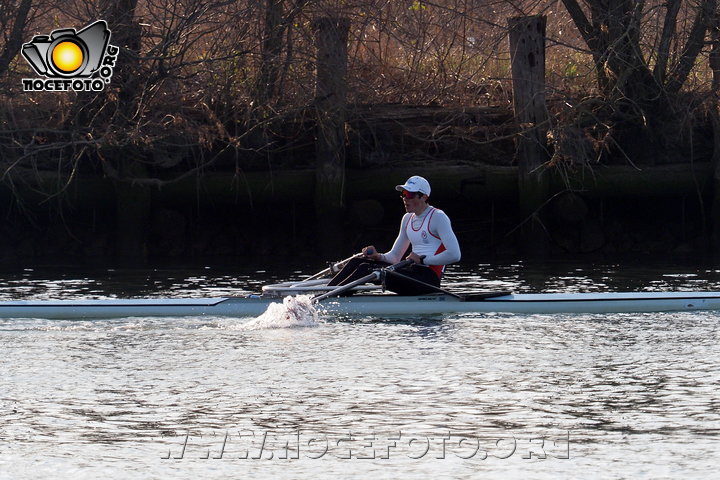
pixel 68 57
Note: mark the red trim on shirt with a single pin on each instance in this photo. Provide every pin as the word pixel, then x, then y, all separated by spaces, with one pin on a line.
pixel 438 269
pixel 423 222
pixel 430 231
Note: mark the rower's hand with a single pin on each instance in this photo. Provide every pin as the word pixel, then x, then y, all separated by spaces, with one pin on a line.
pixel 414 257
pixel 371 253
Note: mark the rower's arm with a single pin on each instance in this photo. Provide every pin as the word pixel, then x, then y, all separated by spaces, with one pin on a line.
pixel 402 242
pixel 442 228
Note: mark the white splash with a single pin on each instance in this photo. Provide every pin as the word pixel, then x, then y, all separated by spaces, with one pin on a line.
pixel 294 311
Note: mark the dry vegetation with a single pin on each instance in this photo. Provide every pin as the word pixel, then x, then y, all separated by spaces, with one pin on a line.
pixel 202 84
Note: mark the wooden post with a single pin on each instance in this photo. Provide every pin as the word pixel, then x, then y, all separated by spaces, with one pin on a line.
pixel 527 56
pixel 330 99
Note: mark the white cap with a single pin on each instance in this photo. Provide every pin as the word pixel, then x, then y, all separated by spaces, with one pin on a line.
pixel 415 184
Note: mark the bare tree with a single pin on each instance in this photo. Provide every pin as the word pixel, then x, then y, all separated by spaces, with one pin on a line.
pixel 641 79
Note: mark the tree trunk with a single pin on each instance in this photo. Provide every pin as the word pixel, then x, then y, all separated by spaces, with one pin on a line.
pixel 126 34
pixel 133 202
pixel 271 49
pixel 15 39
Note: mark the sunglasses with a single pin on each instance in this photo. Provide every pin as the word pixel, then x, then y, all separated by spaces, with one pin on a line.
pixel 409 195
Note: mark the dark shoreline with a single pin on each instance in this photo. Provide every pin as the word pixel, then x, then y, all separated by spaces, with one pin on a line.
pixel 607 211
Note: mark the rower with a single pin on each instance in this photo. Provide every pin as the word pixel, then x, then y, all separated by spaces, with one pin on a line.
pixel 424 228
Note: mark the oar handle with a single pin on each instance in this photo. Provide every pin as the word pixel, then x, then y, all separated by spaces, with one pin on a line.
pixel 398 265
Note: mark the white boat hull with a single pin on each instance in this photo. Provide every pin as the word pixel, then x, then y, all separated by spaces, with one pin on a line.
pixel 372 305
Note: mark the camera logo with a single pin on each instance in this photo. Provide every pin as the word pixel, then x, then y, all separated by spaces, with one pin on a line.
pixel 70 60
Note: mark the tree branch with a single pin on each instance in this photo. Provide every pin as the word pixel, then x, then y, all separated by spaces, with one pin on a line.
pixel 582 23
pixel 692 49
pixel 666 37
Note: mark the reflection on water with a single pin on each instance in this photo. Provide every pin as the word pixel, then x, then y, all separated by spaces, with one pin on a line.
pixel 627 395
pixel 49 283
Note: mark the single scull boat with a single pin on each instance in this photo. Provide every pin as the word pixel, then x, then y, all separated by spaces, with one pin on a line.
pixel 368 304
pixel 363 298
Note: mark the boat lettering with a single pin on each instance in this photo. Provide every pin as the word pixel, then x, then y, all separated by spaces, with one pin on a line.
pixel 430 299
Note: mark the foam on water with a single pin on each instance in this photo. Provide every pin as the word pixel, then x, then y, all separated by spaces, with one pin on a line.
pixel 294 311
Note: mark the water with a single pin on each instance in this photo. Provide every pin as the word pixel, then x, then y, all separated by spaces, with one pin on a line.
pixel 456 396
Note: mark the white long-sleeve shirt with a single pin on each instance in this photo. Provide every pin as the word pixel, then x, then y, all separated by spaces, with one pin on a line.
pixel 439 227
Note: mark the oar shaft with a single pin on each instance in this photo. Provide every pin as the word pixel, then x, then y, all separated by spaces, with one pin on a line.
pixel 344 288
pixel 334 268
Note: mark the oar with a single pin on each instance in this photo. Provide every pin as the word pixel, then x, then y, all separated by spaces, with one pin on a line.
pixel 465 298
pixel 334 268
pixel 375 275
